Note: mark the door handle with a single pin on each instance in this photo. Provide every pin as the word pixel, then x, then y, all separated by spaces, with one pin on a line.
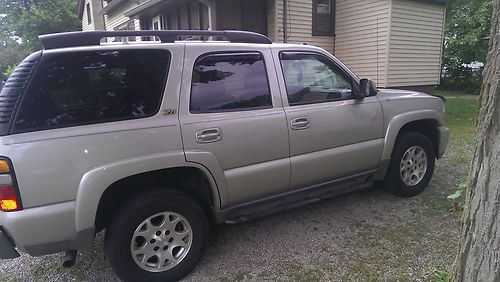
pixel 300 123
pixel 208 135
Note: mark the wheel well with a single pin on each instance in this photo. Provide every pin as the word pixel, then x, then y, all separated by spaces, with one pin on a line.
pixel 427 127
pixel 188 180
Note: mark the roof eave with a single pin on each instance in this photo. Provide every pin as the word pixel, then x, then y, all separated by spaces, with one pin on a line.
pixel 112 6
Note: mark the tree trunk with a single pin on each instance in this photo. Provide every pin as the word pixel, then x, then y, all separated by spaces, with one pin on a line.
pixel 479 250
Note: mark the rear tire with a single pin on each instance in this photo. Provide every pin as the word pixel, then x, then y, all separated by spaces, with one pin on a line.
pixel 412 165
pixel 157 237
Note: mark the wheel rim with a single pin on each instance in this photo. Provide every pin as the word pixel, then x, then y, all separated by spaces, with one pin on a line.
pixel 161 241
pixel 413 165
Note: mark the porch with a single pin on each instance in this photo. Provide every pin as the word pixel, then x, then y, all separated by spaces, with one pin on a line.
pixel 249 15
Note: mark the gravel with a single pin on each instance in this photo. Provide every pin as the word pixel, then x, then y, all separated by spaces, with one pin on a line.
pixel 367 235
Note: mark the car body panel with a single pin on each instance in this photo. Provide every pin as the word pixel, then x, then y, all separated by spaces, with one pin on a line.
pixel 337 129
pixel 253 144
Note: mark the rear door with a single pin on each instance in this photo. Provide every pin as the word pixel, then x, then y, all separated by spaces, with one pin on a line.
pixel 332 134
pixel 233 122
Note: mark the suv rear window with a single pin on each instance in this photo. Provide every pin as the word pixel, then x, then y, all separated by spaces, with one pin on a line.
pixel 78 88
pixel 230 82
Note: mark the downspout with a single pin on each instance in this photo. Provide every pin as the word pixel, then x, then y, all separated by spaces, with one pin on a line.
pixel 285 20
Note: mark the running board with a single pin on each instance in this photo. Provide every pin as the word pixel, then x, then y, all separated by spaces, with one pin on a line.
pixel 295 199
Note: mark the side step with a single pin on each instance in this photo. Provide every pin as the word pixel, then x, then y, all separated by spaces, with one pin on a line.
pixel 296 199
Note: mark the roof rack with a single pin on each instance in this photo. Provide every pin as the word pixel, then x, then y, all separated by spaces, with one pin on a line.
pixel 89 38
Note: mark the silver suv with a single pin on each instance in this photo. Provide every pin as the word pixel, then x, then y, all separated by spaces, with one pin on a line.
pixel 156 141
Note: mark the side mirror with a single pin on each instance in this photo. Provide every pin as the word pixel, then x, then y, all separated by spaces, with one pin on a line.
pixel 367 88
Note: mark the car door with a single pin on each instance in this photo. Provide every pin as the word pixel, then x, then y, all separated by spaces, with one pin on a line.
pixel 233 122
pixel 332 134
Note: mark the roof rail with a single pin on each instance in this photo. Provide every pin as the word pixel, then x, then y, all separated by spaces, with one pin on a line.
pixel 89 38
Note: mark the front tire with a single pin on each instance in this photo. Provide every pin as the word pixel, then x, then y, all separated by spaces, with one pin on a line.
pixel 157 237
pixel 412 165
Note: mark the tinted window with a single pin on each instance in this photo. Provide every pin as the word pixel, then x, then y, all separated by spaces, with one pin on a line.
pixel 79 88
pixel 313 78
pixel 232 82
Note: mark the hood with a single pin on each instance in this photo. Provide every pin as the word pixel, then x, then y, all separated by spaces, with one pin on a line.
pixel 397 94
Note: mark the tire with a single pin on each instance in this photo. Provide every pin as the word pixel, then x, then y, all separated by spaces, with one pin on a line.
pixel 171 215
pixel 410 177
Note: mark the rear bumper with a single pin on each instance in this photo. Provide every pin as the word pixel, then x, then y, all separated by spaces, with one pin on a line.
pixel 43 230
pixel 444 136
pixel 7 249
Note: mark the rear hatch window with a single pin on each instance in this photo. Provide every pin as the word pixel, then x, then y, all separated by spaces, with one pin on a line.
pixel 12 91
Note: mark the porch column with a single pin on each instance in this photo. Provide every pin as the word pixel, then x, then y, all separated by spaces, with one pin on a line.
pixel 211 12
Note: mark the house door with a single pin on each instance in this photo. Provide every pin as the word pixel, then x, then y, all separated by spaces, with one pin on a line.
pixel 249 15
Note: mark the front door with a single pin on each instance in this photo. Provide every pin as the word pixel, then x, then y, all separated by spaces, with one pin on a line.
pixel 233 121
pixel 332 135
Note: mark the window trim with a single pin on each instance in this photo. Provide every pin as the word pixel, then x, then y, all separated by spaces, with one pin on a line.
pixel 333 10
pixel 230 53
pixel 342 70
pixel 43 61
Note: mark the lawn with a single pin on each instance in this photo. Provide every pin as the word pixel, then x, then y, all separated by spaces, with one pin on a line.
pixel 461 112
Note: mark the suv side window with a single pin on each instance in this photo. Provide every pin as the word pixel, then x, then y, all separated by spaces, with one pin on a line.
pixel 230 82
pixel 313 78
pixel 78 88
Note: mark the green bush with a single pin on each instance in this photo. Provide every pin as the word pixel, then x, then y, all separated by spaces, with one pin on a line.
pixel 8 71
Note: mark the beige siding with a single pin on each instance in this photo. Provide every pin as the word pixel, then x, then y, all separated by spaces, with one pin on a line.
pixel 300 24
pixel 415 43
pixel 85 25
pixel 116 18
pixel 97 22
pixel 362 33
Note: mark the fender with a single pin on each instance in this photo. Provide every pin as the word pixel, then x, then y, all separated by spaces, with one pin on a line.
pixel 210 162
pixel 95 182
pixel 400 120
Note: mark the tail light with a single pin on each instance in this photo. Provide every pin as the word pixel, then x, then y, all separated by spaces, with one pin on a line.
pixel 10 199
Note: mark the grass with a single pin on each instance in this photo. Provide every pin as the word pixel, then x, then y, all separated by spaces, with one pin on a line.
pixel 452 93
pixel 461 110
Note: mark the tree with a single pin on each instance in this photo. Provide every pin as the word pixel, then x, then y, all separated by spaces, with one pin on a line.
pixel 26 19
pixel 21 21
pixel 479 249
pixel 10 55
pixel 467 24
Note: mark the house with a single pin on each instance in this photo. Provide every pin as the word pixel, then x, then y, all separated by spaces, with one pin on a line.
pixel 396 43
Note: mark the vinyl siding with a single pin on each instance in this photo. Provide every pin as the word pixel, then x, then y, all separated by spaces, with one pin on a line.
pixel 116 18
pixel 416 41
pixel 362 34
pixel 85 25
pixel 300 25
pixel 97 19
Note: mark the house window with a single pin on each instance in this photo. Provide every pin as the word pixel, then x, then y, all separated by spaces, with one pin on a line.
pixel 89 14
pixel 323 17
pixel 157 23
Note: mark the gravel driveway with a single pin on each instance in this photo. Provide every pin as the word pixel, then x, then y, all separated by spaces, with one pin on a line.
pixel 367 235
